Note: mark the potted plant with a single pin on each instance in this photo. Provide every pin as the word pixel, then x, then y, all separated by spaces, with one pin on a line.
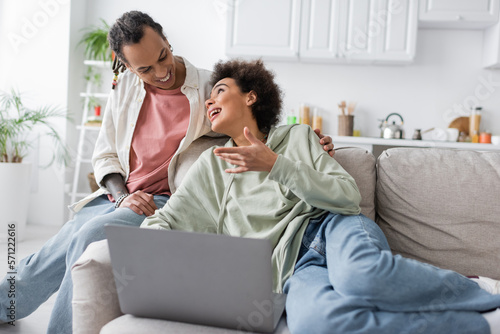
pixel 17 124
pixel 94 105
pixel 96 42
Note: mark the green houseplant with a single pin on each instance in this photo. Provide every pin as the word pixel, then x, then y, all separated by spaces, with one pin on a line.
pixel 96 42
pixel 17 125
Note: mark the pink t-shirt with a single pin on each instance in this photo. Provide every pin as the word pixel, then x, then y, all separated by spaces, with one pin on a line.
pixel 161 125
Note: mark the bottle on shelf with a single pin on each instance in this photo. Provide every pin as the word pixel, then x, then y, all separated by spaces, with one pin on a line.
pixel 304 117
pixel 474 122
pixel 317 122
pixel 291 118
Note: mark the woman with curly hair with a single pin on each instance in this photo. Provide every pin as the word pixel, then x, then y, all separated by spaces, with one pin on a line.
pixel 334 263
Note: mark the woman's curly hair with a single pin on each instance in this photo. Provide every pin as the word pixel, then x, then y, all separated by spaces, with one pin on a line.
pixel 129 29
pixel 252 75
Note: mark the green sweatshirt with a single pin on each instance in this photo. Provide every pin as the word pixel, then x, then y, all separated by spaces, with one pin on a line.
pixel 304 183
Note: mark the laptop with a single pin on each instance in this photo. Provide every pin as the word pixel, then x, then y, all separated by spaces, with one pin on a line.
pixel 206 279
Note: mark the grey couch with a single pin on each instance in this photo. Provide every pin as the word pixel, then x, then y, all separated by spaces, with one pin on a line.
pixel 439 206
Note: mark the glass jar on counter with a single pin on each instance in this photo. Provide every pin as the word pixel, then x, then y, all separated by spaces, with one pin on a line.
pixel 474 122
pixel 304 116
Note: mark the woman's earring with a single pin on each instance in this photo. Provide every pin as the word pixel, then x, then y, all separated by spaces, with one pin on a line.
pixel 171 48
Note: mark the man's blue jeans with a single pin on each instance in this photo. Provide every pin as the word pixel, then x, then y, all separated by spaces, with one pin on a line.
pixel 346 280
pixel 48 270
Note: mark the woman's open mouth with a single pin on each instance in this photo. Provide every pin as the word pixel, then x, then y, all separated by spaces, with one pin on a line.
pixel 214 113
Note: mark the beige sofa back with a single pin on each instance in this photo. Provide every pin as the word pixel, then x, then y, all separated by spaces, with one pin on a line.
pixel 360 164
pixel 441 206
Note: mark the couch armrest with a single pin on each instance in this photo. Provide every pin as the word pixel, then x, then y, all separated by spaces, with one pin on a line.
pixel 95 300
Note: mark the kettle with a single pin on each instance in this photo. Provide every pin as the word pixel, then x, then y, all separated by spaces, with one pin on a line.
pixel 392 131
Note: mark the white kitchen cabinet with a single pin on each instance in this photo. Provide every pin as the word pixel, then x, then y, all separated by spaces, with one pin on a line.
pixel 357 38
pixel 460 14
pixel 320 30
pixel 397 22
pixel 263 28
pixel 491 47
pixel 337 31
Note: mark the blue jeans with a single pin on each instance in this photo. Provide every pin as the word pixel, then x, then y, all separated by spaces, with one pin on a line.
pixel 43 273
pixel 346 280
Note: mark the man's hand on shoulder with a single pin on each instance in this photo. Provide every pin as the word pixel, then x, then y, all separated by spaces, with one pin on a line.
pixel 326 141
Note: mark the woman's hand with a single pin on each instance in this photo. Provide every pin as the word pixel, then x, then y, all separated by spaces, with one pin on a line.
pixel 326 141
pixel 140 202
pixel 255 157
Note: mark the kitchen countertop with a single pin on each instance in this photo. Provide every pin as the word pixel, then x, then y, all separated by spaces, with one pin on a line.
pixel 369 142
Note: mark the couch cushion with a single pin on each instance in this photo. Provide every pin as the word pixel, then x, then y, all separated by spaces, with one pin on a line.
pixel 95 300
pixel 129 324
pixel 360 164
pixel 188 157
pixel 440 206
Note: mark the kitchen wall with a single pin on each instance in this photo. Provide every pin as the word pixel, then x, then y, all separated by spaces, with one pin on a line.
pixel 445 76
pixel 431 92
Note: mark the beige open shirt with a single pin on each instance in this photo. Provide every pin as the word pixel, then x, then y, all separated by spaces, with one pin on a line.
pixel 112 150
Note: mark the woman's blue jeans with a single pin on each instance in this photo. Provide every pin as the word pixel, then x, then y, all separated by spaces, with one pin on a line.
pixel 346 280
pixel 43 273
